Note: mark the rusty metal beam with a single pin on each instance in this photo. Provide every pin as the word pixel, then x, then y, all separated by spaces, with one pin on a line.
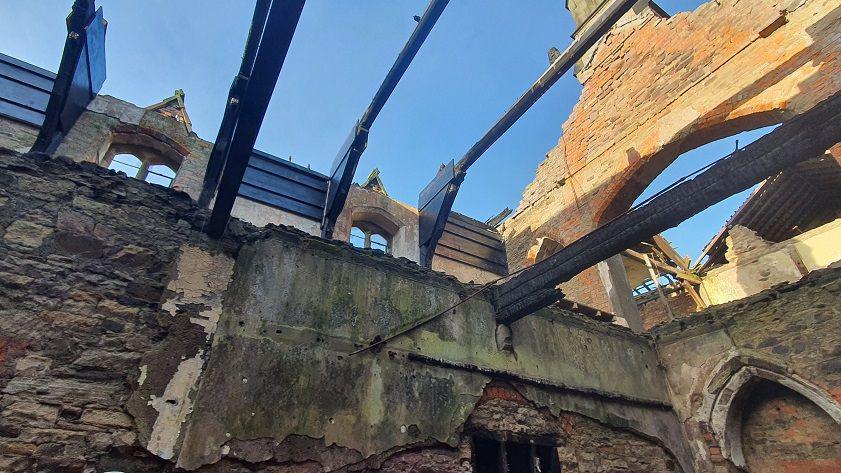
pixel 803 137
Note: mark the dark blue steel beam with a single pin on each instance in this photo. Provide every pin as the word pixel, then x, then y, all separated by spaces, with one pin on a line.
pixel 280 26
pixel 81 74
pixel 437 214
pixel 344 166
pixel 219 154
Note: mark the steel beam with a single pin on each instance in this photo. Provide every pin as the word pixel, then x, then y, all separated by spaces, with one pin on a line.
pixel 219 154
pixel 280 26
pixel 805 136
pixel 347 159
pixel 80 76
pixel 612 13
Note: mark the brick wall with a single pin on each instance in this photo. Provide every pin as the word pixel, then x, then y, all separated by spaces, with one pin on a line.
pixel 654 313
pixel 783 432
pixel 583 445
pixel 660 87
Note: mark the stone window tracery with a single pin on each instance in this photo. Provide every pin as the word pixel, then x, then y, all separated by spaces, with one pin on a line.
pixel 135 167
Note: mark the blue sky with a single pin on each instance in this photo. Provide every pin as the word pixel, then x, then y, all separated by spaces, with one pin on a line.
pixel 480 57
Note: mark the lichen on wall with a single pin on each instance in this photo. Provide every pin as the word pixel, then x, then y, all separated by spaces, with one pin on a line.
pixel 281 366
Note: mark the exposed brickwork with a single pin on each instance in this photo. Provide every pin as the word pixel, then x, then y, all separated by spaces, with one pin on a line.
pixel 661 87
pixel 583 445
pixel 783 432
pixel 654 313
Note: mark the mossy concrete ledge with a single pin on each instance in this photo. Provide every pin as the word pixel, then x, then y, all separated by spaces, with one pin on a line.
pixel 281 365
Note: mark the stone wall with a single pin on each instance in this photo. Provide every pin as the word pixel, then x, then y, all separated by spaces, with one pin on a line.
pixel 110 123
pixel 791 336
pixel 130 342
pixel 16 135
pixel 85 257
pixel 660 87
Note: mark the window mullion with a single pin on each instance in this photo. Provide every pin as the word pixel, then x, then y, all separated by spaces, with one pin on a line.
pixel 503 458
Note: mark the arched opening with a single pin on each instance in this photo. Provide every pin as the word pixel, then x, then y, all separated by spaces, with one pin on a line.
pixel 369 236
pixel 376 229
pixel 764 420
pixel 664 272
pixel 690 236
pixel 160 174
pixel 143 157
pixel 128 164
pixel 135 167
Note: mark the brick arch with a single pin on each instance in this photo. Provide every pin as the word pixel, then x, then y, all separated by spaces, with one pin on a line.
pixel 619 196
pixel 658 87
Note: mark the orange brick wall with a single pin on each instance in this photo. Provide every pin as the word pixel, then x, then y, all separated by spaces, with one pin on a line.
pixel 659 87
pixel 783 432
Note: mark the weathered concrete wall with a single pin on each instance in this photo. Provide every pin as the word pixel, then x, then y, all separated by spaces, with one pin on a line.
pixel 285 340
pixel 665 86
pixel 755 264
pixel 790 336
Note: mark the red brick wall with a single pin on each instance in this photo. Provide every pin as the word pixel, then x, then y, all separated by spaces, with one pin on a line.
pixel 659 87
pixel 654 312
pixel 783 432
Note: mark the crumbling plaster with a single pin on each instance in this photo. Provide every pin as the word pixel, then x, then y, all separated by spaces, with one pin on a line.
pixel 285 336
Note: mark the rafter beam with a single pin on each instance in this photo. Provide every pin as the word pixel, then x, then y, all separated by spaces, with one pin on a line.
pixel 344 166
pixel 437 198
pixel 805 136
pixel 666 268
pixel 280 26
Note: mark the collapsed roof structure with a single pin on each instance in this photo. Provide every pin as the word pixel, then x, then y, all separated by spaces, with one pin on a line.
pixel 222 321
